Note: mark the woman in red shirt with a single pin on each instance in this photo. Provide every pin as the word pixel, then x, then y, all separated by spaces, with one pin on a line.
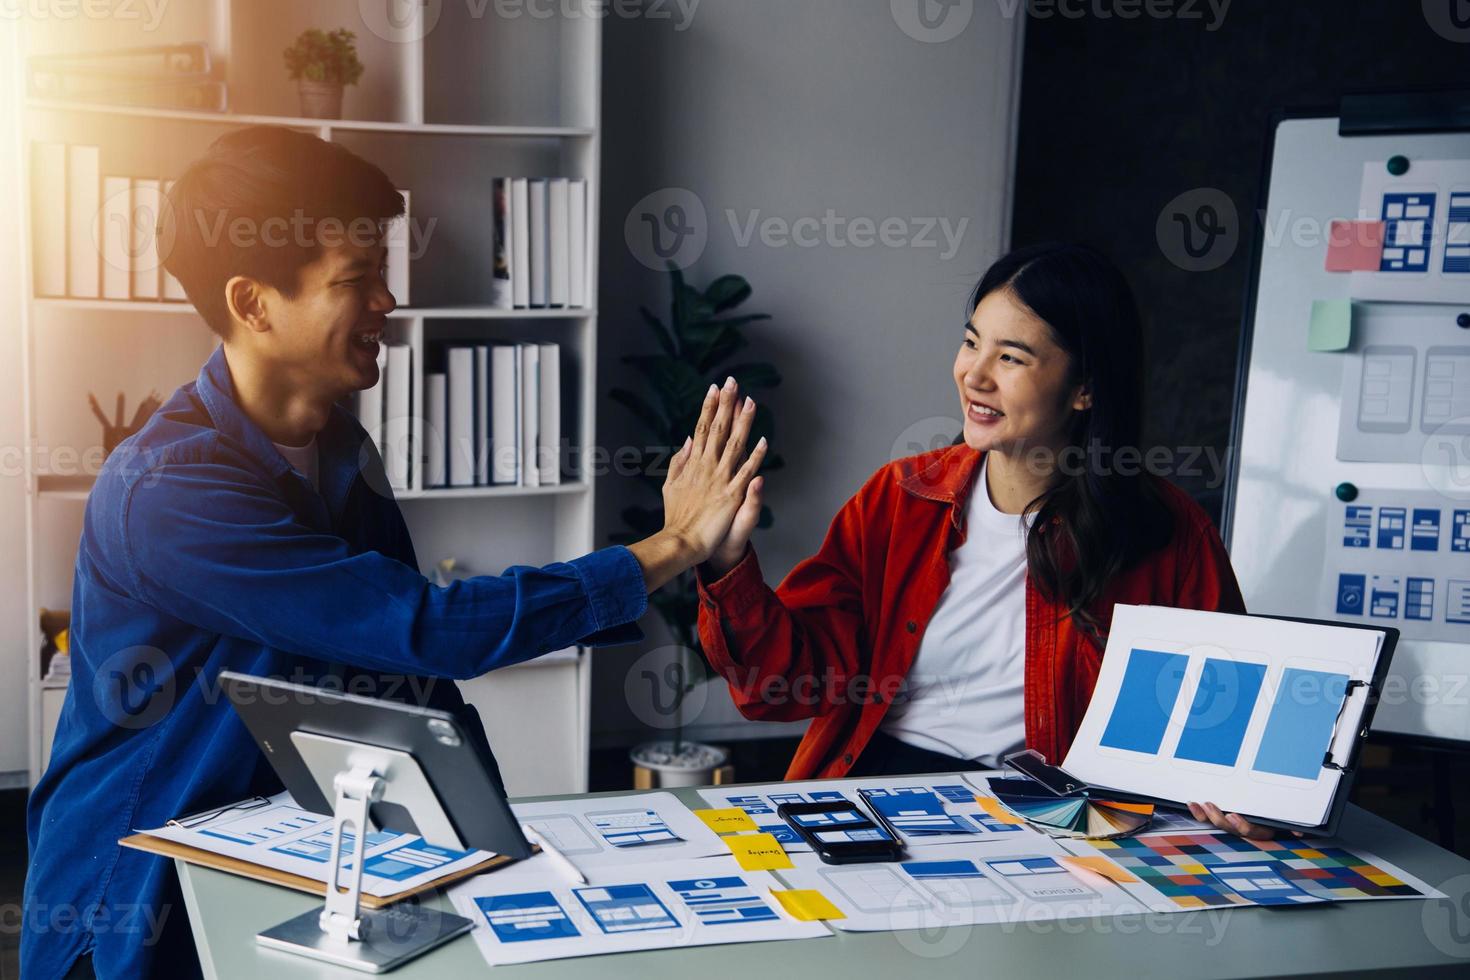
pixel 959 605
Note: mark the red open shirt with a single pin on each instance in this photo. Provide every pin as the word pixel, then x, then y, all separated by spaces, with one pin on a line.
pixel 836 639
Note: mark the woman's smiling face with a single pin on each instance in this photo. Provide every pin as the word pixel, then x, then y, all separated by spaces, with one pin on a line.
pixel 1014 382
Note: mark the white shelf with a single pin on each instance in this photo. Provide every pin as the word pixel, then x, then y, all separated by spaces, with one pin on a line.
pixel 430 313
pixel 475 493
pixel 465 74
pixel 305 122
pixel 79 488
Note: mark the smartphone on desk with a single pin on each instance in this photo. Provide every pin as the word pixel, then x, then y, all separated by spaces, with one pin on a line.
pixel 840 832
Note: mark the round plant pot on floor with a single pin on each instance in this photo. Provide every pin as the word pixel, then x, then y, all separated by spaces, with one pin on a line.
pixel 694 764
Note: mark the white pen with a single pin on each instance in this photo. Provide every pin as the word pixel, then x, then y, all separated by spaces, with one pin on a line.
pixel 562 862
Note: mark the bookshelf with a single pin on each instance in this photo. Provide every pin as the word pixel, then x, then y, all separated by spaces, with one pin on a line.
pixel 480 95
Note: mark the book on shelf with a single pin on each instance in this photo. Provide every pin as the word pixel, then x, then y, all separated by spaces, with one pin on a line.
pixel 460 397
pixel 84 191
pixel 144 248
pixel 520 236
pixel 503 416
pixel 577 244
pixel 482 415
pixel 436 421
pixel 172 289
pixel 397 242
pixel 530 413
pixel 548 425
pixel 139 61
pixel 559 255
pixel 174 76
pixel 540 253
pixel 502 240
pixel 48 218
pixel 398 417
pixel 114 231
pixel 370 403
pixel 540 250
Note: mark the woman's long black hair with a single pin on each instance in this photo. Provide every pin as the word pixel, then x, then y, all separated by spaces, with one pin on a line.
pixel 1094 522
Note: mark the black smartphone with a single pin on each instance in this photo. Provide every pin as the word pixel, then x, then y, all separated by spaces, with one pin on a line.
pixel 840 832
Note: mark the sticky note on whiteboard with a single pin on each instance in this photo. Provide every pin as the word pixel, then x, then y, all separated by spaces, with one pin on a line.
pixel 1355 246
pixel 1332 325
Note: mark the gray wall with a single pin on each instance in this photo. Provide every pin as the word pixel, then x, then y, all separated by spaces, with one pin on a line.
pixel 786 109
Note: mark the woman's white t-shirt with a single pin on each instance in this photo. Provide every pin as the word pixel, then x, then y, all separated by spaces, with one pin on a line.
pixel 965 688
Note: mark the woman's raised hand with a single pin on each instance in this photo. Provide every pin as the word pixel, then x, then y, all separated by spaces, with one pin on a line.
pixel 708 483
pixel 708 478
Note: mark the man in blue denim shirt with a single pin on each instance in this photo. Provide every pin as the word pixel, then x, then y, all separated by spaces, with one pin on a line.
pixel 248 527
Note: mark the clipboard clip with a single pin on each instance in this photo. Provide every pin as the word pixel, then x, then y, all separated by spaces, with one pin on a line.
pixel 1328 762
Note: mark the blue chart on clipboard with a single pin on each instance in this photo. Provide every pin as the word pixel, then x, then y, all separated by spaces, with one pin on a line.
pixel 626 908
pixel 1299 727
pixel 411 859
pixel 526 917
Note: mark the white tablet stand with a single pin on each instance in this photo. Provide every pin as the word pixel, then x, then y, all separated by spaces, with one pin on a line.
pixel 357 776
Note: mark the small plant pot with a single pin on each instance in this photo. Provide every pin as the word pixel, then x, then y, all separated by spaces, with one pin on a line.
pixel 320 100
pixel 657 765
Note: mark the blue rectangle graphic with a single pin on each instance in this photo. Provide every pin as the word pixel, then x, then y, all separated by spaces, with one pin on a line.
pixel 1303 716
pixel 1350 591
pixel 1419 599
pixel 1391 522
pixel 1357 527
pixel 1151 683
pixel 1221 709
pixel 1424 533
pixel 526 917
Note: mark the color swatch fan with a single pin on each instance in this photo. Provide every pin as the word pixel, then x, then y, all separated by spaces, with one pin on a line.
pixel 1071 816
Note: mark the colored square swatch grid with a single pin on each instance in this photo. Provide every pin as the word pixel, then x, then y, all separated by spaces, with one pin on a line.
pixel 1177 866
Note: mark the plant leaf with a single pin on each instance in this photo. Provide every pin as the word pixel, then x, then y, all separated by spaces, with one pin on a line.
pixel 728 292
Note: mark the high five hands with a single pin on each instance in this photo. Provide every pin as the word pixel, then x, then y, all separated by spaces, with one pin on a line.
pixel 711 491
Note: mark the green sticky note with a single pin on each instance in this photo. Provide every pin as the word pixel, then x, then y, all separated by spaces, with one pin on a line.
pixel 1332 324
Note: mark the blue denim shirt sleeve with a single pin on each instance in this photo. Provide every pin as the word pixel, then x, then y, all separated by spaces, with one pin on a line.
pixel 208 544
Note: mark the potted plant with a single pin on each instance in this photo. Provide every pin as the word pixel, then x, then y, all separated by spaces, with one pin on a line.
pixel 701 336
pixel 321 64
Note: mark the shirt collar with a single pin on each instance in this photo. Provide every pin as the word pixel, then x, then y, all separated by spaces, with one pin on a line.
pixel 949 477
pixel 337 448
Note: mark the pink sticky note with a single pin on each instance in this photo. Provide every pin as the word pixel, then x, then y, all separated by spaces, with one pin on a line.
pixel 1354 246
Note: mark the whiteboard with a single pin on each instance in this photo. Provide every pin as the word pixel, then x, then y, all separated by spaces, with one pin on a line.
pixel 1301 428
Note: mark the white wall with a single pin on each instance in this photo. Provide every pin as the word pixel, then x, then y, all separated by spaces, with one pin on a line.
pixel 788 109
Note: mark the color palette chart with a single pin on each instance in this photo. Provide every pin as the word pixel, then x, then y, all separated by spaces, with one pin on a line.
pixel 1204 870
pixel 1070 816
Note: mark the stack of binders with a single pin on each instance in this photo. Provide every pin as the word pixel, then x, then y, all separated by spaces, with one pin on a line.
pixel 493 417
pixel 541 244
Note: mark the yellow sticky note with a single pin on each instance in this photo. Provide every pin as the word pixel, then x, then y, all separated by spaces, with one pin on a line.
pixel 1102 866
pixel 807 904
pixel 993 807
pixel 726 821
pixel 759 852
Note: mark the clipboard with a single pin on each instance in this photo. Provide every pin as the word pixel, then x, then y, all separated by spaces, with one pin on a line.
pixel 300 883
pixel 1057 780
